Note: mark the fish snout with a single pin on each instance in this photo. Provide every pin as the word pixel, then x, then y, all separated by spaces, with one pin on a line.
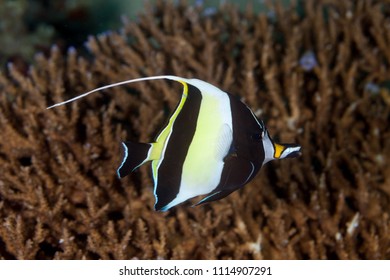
pixel 287 151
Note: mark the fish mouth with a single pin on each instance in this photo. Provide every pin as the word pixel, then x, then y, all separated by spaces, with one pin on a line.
pixel 294 154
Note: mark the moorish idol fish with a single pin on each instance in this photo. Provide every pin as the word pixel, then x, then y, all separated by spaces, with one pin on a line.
pixel 212 145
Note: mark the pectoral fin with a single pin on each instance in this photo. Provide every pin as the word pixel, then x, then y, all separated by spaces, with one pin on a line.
pixel 236 173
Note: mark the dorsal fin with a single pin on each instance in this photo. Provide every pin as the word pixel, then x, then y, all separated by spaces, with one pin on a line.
pixel 168 77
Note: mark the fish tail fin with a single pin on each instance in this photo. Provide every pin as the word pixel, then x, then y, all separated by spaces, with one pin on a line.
pixel 135 154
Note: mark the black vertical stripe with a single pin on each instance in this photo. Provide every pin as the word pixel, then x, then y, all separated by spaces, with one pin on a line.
pixel 246 133
pixel 247 147
pixel 183 130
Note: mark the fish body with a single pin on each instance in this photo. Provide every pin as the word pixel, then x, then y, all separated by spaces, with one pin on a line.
pixel 212 145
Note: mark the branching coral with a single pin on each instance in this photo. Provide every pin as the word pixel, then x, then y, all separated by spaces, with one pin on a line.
pixel 59 195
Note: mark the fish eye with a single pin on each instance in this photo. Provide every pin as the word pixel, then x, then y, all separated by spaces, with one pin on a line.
pixel 257 136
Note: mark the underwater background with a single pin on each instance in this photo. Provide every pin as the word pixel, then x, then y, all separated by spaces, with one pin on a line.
pixel 31 26
pixel 317 72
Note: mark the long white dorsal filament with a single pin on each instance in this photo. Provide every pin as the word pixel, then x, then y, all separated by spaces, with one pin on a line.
pixel 169 77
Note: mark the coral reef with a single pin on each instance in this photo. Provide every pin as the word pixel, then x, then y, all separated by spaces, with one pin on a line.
pixel 318 75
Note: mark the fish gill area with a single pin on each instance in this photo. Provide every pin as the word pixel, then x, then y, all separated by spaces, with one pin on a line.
pixel 316 72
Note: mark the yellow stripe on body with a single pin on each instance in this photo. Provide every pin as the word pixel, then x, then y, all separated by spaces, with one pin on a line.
pixel 204 162
pixel 158 148
pixel 203 165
